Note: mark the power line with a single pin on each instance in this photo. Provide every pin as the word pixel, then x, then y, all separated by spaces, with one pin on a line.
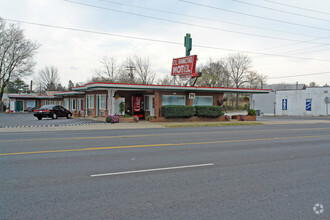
pixel 203 18
pixel 309 74
pixel 251 15
pixel 160 41
pixel 190 24
pixel 301 8
pixel 278 10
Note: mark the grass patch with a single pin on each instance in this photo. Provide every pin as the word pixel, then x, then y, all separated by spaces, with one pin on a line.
pixel 213 124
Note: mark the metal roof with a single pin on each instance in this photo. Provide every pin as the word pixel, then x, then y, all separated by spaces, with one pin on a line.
pixel 124 86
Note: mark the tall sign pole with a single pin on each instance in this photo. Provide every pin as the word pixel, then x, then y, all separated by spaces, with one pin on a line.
pixel 188 44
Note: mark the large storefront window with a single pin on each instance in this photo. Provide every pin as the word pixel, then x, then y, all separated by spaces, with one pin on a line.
pixel 203 101
pixel 103 101
pixel 90 101
pixel 174 100
pixel 66 103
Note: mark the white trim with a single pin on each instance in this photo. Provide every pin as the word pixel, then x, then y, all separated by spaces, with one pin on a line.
pixel 178 88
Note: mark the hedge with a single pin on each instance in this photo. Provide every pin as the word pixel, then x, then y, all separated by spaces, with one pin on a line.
pixel 209 111
pixel 178 111
pixel 252 112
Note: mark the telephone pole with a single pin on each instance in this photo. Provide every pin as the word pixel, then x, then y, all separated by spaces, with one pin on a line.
pixel 131 68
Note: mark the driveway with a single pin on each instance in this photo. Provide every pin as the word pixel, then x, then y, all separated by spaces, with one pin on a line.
pixel 28 120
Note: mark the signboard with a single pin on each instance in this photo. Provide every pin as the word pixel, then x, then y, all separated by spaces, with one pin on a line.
pixel 284 104
pixel 184 65
pixel 192 95
pixel 308 104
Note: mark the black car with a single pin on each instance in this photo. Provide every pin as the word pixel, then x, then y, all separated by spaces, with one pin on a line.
pixel 51 111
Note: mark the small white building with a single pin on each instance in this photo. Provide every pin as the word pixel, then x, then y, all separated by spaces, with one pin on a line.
pixel 302 102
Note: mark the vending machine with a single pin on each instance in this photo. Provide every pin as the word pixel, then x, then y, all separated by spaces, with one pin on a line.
pixel 137 104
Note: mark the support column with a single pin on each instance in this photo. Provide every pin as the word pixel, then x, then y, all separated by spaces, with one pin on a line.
pixel 111 101
pixel 158 103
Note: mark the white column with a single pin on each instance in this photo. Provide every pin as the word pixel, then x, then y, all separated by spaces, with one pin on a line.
pixel 111 101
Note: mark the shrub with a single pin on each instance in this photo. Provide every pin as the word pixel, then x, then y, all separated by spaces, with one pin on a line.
pixel 252 112
pixel 136 118
pixel 209 111
pixel 112 119
pixel 178 111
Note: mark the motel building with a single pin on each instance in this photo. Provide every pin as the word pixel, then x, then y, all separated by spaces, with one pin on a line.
pixel 100 99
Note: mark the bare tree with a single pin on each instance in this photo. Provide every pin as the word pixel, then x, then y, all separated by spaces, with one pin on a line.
pixel 16 54
pixel 312 84
pixel 214 74
pixel 48 79
pixel 238 67
pixel 255 80
pixel 126 72
pixel 143 70
pixel 109 69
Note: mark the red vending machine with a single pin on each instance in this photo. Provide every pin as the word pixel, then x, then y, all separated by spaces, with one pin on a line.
pixel 137 103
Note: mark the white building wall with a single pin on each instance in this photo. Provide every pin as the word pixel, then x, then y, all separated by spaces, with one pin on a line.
pixel 296 102
pixel 265 103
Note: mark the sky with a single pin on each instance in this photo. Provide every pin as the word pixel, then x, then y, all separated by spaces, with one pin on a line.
pixel 287 40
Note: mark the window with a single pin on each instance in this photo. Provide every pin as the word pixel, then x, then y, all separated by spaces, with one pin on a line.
pixel 146 103
pixel 73 104
pixel 102 101
pixel 174 100
pixel 60 103
pixel 45 102
pixel 90 101
pixel 80 104
pixel 203 101
pixel 66 103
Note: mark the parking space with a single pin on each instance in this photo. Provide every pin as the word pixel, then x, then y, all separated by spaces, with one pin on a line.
pixel 28 120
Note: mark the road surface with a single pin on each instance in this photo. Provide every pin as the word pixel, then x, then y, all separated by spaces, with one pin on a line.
pixel 248 172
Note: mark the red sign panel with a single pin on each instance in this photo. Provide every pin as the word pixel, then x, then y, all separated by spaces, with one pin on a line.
pixel 137 103
pixel 184 65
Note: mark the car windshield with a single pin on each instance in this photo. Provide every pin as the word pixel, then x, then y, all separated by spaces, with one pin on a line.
pixel 47 107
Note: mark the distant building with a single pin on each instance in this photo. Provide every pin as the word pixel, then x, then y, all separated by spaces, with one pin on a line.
pixel 293 102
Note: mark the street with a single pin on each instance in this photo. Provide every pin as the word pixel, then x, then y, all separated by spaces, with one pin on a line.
pixel 241 172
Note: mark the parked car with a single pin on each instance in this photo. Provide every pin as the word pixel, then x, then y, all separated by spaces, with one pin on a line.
pixel 51 111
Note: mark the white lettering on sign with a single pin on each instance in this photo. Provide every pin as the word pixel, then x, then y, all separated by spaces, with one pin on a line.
pixel 184 65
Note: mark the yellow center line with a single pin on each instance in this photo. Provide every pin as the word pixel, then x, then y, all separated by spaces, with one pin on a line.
pixel 154 135
pixel 161 145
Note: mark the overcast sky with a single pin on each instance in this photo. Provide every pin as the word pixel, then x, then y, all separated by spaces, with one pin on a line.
pixel 299 38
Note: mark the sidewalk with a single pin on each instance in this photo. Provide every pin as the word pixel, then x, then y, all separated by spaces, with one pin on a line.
pixel 153 125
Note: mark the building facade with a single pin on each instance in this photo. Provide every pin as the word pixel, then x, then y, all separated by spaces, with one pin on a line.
pixel 100 99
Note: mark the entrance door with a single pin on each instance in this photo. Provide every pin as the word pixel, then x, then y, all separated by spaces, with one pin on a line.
pixel 97 105
pixel 152 105
pixel 19 106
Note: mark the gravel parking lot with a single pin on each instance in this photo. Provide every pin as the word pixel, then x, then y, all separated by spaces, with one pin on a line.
pixel 28 120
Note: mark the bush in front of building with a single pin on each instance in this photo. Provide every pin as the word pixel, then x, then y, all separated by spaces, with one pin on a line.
pixel 252 112
pixel 112 119
pixel 178 111
pixel 209 111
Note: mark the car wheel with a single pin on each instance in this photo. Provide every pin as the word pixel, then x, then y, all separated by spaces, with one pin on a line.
pixel 39 118
pixel 69 116
pixel 54 116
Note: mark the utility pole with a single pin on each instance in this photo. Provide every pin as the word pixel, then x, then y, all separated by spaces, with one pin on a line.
pixel 131 68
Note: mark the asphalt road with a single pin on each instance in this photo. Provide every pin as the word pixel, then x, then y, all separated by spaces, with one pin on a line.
pixel 28 120
pixel 249 172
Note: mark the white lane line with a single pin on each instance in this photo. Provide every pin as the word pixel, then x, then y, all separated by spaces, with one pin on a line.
pixel 153 170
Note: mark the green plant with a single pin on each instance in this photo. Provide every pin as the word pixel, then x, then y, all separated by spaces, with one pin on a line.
pixel 252 112
pixel 112 119
pixel 121 107
pixel 209 111
pixel 126 116
pixel 136 118
pixel 150 117
pixel 178 111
